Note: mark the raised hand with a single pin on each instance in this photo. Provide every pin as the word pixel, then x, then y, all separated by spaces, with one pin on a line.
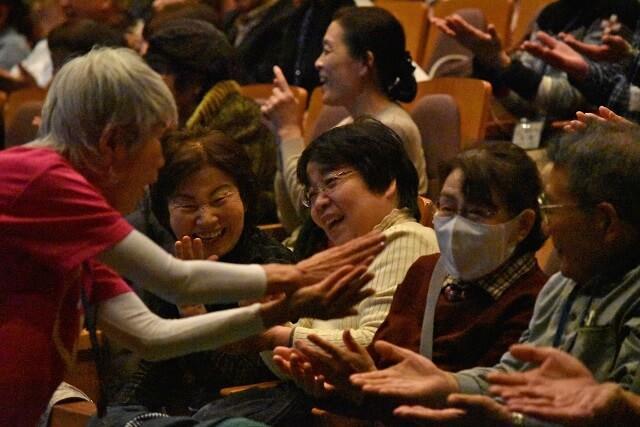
pixel 463 410
pixel 613 48
pixel 296 365
pixel 336 364
pixel 561 389
pixel 551 364
pixel 413 378
pixel 333 297
pixel 486 45
pixel 282 108
pixel 604 115
pixel 187 248
pixel 558 54
pixel 289 278
pixel 572 402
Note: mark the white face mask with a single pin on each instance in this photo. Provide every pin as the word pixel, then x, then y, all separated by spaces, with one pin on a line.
pixel 470 249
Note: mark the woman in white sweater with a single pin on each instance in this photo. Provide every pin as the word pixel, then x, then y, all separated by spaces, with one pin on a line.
pixel 364 67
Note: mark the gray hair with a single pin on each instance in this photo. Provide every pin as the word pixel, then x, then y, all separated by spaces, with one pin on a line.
pixel 603 165
pixel 106 88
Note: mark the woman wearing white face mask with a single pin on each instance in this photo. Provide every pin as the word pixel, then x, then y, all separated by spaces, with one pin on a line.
pixel 484 281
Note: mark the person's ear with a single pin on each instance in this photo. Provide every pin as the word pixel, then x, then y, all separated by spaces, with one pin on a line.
pixel 526 220
pixel 367 63
pixel 392 191
pixel 113 152
pixel 607 220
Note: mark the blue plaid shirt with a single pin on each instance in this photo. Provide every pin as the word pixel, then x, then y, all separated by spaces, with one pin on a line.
pixel 612 84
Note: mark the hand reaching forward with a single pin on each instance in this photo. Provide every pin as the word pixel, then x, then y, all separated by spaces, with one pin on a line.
pixel 336 364
pixel 551 364
pixel 295 365
pixel 613 48
pixel 282 108
pixel 413 378
pixel 187 248
pixel 561 389
pixel 604 115
pixel 577 403
pixel 463 410
pixel 332 298
pixel 289 278
pixel 486 46
pixel 558 54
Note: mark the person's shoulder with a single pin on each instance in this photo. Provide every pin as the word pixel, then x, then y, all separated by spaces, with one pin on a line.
pixel 261 248
pixel 410 230
pixel 398 119
pixel 30 160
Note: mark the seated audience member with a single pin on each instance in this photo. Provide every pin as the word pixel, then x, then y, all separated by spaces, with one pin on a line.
pixel 603 115
pixel 364 67
pixel 15 30
pixel 66 41
pixel 358 178
pixel 188 9
pixel 64 243
pixel 204 197
pixel 77 37
pixel 197 62
pixel 562 390
pixel 527 85
pixel 255 28
pixel 302 40
pixel 589 309
pixel 38 65
pixel 488 229
pixel 608 74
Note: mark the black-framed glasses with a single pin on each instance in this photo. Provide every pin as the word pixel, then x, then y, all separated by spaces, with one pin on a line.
pixel 329 183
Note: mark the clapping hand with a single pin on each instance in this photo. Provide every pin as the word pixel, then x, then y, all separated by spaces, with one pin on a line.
pixel 485 45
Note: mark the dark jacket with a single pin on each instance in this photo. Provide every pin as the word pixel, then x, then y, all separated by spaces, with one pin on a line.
pixel 258 51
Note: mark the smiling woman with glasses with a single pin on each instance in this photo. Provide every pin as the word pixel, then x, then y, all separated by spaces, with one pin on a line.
pixel 485 282
pixel 357 178
pixel 204 197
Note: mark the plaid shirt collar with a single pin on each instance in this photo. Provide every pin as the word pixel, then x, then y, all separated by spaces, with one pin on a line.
pixel 495 284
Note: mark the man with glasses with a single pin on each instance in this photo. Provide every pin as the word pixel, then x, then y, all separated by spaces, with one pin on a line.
pixel 591 309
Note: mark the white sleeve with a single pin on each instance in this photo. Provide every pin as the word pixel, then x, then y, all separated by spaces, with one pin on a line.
pixel 138 259
pixel 128 321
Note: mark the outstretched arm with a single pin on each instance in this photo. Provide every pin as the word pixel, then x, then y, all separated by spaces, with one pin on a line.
pixel 126 319
pixel 201 281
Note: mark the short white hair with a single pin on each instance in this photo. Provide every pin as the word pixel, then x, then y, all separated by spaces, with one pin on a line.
pixel 106 88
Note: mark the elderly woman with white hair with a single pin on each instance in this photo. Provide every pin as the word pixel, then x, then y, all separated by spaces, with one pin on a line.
pixel 64 243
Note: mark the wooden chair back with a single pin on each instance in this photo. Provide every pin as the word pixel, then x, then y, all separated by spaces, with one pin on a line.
pixel 19 97
pixel 438 119
pixel 473 97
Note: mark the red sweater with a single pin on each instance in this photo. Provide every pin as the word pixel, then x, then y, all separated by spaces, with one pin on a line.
pixel 468 333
